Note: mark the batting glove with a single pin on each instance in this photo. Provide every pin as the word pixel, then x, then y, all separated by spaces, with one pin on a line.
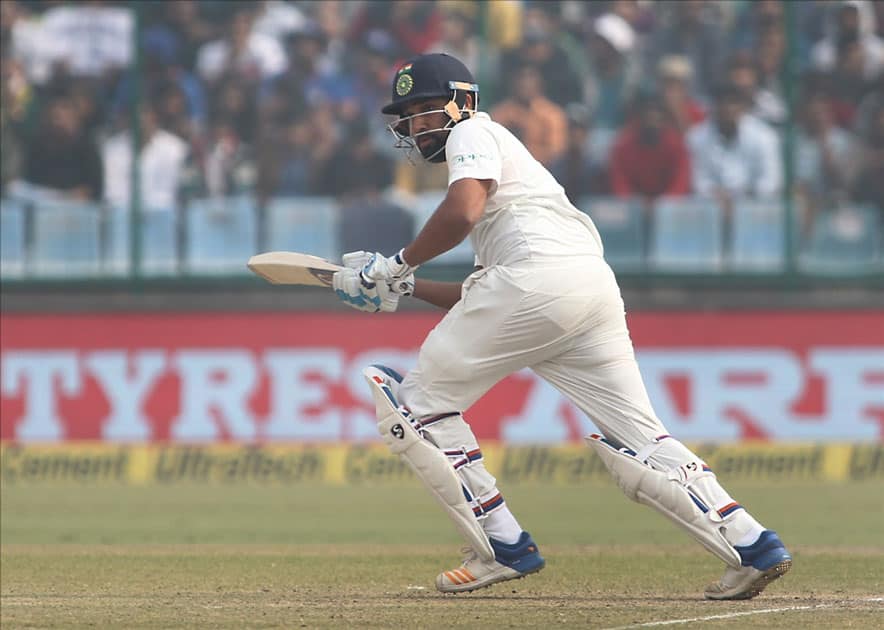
pixel 391 270
pixel 371 297
pixel 363 260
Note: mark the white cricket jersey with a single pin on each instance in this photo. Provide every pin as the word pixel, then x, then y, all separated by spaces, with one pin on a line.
pixel 527 215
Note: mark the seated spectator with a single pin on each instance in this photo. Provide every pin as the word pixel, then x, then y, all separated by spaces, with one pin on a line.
pixel 770 55
pixel 235 104
pixel 249 56
pixel 742 73
pixel 87 39
pixel 538 122
pixel 733 154
pixel 459 37
pixel 228 168
pixel 577 170
pixel 613 72
pixel 822 157
pixel 851 21
pixel 162 159
pixel 61 156
pixel 649 158
pixel 539 49
pixel 184 23
pixel 357 174
pixel 692 29
pixel 356 167
pixel 848 82
pixel 165 78
pixel 278 19
pixel 674 74
pixel 868 187
pixel 297 170
pixel 321 81
pixel 416 25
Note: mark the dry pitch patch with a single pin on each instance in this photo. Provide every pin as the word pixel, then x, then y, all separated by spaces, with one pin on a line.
pixel 352 586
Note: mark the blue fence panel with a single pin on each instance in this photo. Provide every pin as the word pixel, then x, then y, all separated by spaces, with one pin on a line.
pixel 844 241
pixel 67 238
pixel 12 238
pixel 757 237
pixel 687 235
pixel 621 225
pixel 221 234
pixel 303 224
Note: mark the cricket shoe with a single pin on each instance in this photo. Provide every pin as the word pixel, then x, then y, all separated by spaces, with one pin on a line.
pixel 511 562
pixel 763 562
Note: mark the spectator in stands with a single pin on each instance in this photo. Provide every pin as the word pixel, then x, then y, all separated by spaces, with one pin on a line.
pixel 770 54
pixel 851 21
pixel 86 39
pixel 182 22
pixel 357 174
pixel 577 170
pixel 278 19
pixel 235 104
pixel 459 37
pixel 674 74
pixel 733 154
pixel 822 157
pixel 246 55
pixel 162 158
pixel 694 29
pixel 180 95
pixel 848 81
pixel 613 71
pixel 649 158
pixel 742 73
pixel 298 171
pixel 61 156
pixel 538 122
pixel 321 81
pixel 228 167
pixel 415 24
pixel 539 49
pixel 868 187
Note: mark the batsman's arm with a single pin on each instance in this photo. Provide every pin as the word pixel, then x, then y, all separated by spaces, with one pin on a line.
pixel 441 294
pixel 451 222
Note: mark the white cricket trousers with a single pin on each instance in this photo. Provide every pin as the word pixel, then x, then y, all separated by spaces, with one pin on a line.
pixel 564 319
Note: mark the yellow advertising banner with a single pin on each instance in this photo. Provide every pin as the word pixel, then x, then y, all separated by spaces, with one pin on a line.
pixel 87 462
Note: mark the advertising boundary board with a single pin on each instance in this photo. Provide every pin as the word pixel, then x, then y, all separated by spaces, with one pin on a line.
pixel 354 464
pixel 276 377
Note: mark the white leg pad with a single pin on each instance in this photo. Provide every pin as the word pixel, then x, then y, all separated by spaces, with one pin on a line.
pixel 427 462
pixel 666 494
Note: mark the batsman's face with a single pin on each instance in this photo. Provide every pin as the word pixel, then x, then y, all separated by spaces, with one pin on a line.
pixel 425 122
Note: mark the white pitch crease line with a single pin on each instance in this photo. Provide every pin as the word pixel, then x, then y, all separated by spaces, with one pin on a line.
pixel 762 611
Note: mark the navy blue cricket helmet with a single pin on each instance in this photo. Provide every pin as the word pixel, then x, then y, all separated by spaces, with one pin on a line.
pixel 430 76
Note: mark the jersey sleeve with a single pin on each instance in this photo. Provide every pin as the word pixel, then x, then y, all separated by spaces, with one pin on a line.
pixel 472 152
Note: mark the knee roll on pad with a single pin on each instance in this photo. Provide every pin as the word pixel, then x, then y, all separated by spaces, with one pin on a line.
pixel 431 465
pixel 673 493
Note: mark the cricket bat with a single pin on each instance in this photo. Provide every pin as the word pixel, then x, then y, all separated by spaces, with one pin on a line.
pixel 293 268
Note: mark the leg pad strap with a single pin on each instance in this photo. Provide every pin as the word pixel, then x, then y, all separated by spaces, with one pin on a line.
pixel 667 494
pixel 428 463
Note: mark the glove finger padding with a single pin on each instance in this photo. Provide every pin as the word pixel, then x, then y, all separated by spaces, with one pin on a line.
pixel 379 267
pixel 367 297
pixel 356 260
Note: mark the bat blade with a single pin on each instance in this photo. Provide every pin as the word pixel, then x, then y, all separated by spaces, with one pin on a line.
pixel 293 268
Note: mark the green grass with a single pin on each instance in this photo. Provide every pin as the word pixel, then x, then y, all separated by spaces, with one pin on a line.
pixel 323 556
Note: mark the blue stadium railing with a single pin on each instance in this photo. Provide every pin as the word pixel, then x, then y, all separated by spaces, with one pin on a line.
pixel 679 237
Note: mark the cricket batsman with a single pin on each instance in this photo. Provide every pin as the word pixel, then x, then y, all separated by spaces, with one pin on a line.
pixel 542 297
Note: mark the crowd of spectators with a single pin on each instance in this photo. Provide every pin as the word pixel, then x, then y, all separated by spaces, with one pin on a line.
pixel 628 98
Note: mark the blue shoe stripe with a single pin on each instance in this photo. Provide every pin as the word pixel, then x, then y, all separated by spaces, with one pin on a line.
pixel 765 552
